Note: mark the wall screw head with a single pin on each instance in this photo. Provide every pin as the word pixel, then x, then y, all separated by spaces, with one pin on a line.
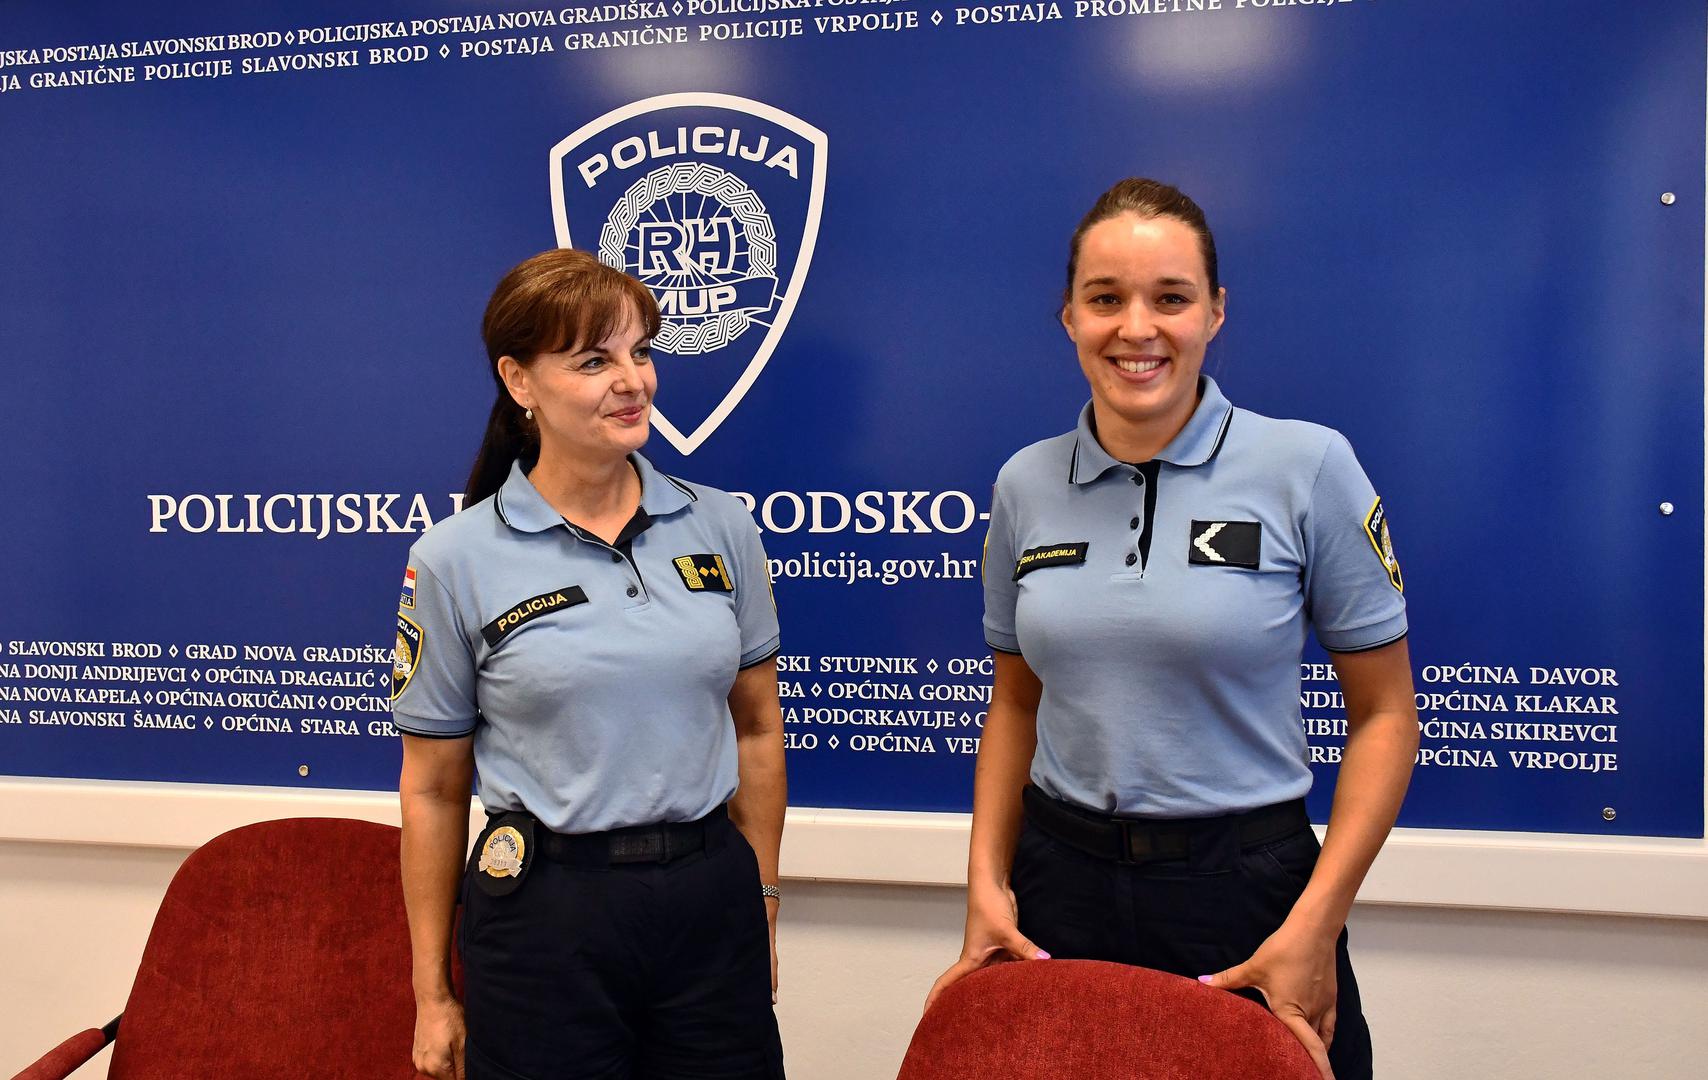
pixel 302 770
pixel 1666 509
pixel 1608 813
pixel 1668 198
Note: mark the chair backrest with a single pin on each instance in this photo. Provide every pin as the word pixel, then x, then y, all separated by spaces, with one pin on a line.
pixel 280 950
pixel 1095 1021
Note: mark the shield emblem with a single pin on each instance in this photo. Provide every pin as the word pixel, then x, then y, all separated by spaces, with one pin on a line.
pixel 713 201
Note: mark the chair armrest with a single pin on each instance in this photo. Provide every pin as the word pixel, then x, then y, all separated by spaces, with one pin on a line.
pixel 62 1060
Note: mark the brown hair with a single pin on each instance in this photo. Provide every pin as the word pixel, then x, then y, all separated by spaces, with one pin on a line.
pixel 556 301
pixel 1147 199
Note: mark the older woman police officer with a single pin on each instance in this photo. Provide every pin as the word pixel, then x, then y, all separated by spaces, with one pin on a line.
pixel 1150 579
pixel 594 638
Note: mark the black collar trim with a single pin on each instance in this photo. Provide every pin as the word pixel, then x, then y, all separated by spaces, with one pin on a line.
pixel 1227 422
pixel 680 486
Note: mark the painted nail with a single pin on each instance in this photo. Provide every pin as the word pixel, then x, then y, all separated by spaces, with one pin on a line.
pixel 1042 955
pixel 1205 979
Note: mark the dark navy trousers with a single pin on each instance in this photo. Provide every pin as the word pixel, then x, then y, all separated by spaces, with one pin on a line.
pixel 633 971
pixel 1189 916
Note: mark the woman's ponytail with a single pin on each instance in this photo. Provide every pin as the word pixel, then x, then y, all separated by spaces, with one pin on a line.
pixel 508 436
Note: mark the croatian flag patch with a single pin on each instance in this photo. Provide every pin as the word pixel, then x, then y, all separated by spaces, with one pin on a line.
pixel 408 599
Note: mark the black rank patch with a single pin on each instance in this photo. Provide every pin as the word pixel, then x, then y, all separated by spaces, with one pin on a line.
pixel 704 573
pixel 1050 555
pixel 1226 543
pixel 1376 531
pixel 529 610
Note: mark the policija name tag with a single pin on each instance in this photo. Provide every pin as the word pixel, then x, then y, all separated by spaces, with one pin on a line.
pixel 703 573
pixel 529 610
pixel 1226 543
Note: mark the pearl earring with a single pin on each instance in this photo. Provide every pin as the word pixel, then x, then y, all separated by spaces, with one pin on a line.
pixel 529 413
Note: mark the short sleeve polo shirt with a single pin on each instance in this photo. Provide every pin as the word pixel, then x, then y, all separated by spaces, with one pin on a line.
pixel 593 677
pixel 1164 605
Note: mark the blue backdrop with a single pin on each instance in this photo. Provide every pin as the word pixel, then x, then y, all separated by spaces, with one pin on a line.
pixel 1441 226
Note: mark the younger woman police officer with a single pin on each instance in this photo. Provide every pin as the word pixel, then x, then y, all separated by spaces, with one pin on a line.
pixel 594 637
pixel 1150 579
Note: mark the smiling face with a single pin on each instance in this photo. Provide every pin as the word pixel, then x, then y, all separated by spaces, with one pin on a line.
pixel 592 402
pixel 1140 314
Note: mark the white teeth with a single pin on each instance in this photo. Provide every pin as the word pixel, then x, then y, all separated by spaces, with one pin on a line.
pixel 1137 366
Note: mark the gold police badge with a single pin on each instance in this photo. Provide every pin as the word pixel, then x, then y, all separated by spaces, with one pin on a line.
pixel 502 854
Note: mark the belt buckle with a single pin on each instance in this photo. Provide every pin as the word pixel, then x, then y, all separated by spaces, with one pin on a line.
pixel 1136 844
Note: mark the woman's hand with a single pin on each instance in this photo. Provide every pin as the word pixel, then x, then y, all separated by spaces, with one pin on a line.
pixel 1294 971
pixel 439 1036
pixel 993 937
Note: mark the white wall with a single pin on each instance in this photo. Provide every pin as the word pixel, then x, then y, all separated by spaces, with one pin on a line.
pixel 1451 992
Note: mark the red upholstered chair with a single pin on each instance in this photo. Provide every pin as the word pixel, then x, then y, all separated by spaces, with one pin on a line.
pixel 1089 1020
pixel 280 951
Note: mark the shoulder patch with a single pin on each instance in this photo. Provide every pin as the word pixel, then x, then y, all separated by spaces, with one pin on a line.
pixel 704 573
pixel 529 610
pixel 407 600
pixel 1376 531
pixel 406 657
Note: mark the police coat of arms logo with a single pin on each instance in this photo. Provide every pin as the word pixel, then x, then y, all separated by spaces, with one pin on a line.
pixel 713 202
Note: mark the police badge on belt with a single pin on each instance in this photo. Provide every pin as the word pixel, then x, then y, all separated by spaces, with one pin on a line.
pixel 503 853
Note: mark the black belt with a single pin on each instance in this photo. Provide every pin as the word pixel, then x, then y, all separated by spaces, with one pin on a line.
pixel 1137 840
pixel 632 844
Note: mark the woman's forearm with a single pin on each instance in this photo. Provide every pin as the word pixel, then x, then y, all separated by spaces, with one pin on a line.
pixel 1005 760
pixel 1375 768
pixel 758 805
pixel 762 791
pixel 434 794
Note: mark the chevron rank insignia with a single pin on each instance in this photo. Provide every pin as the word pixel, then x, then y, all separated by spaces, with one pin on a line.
pixel 1226 543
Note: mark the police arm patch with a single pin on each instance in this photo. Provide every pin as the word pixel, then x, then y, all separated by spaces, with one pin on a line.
pixel 1376 531
pixel 406 657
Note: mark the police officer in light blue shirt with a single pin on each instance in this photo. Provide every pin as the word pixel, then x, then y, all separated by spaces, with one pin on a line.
pixel 591 740
pixel 594 638
pixel 1150 580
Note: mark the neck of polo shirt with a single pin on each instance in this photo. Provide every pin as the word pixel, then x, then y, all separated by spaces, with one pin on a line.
pixel 625 541
pixel 1145 475
pixel 622 548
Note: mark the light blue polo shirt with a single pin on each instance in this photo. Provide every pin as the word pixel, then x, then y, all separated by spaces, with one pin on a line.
pixel 1171 674
pixel 594 678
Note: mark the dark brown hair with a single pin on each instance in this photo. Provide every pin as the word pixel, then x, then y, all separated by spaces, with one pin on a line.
pixel 556 301
pixel 1147 199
